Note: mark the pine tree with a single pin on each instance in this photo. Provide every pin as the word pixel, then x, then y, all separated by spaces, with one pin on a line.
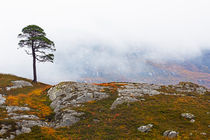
pixel 36 43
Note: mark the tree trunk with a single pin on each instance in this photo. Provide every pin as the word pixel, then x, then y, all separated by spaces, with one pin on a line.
pixel 34 64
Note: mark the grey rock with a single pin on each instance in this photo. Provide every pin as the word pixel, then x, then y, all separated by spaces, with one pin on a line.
pixel 18 132
pixel 130 92
pixel 18 117
pixel 192 120
pixel 142 99
pixel 201 90
pixel 121 100
pixel 138 90
pixel 31 123
pixel 203 133
pixel 66 95
pixel 16 108
pixel 188 115
pixel 145 128
pixel 170 134
pixel 67 118
pixel 6 126
pixel 2 99
pixel 25 130
pixel 11 137
pixel 3 131
pixel 190 87
pixel 18 84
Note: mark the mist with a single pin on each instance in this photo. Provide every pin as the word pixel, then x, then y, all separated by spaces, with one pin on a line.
pixel 110 36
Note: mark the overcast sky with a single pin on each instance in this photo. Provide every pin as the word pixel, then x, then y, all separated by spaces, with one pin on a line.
pixel 166 29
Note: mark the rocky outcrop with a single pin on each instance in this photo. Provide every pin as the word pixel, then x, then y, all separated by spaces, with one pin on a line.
pixel 130 92
pixel 137 90
pixel 31 123
pixel 19 84
pixel 67 95
pixel 22 122
pixel 187 87
pixel 121 100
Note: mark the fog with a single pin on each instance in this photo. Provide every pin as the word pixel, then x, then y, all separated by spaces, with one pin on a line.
pixel 103 34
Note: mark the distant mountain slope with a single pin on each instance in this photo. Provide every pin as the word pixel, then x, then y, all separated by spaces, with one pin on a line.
pixel 196 70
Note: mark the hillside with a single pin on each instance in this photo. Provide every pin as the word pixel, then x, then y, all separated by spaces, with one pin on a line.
pixel 140 69
pixel 72 110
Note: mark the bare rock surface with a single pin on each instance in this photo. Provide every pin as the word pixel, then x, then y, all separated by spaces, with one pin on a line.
pixel 2 99
pixel 131 91
pixel 19 117
pixel 188 115
pixel 145 128
pixel 16 108
pixel 23 122
pixel 138 89
pixel 188 87
pixel 123 99
pixel 19 84
pixel 170 134
pixel 31 123
pixel 66 95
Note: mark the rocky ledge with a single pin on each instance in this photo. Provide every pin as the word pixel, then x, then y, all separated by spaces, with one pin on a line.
pixel 67 95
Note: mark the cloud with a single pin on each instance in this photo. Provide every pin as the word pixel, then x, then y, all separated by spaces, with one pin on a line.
pixel 101 34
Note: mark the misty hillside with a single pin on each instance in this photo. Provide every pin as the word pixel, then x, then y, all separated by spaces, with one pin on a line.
pixel 117 110
pixel 138 68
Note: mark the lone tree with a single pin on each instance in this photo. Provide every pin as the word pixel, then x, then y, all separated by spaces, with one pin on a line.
pixel 36 43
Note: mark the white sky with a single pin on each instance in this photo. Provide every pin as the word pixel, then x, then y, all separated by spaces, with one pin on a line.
pixel 168 28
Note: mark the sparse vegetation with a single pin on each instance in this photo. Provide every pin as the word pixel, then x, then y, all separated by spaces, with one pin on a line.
pixel 100 122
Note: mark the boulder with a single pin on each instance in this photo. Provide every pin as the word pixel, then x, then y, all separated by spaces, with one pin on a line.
pixel 145 128
pixel 188 115
pixel 19 84
pixel 170 134
pixel 68 119
pixel 192 120
pixel 203 133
